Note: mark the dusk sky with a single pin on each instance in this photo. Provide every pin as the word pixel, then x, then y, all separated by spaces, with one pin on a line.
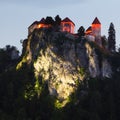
pixel 16 16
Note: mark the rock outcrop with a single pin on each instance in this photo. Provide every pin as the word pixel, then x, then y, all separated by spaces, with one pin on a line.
pixel 63 60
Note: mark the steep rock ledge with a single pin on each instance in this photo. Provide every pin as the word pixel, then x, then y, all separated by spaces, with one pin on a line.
pixel 62 60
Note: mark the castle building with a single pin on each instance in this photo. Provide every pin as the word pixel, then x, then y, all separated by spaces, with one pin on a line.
pixel 89 31
pixel 37 25
pixel 66 25
pixel 96 27
pixel 32 27
pixel 93 33
pixel 41 24
pixel 89 34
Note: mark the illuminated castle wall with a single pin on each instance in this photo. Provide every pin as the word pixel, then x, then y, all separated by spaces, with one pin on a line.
pixel 96 27
pixel 66 25
pixel 93 33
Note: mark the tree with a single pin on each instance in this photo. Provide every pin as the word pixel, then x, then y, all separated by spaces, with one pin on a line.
pixel 81 31
pixel 111 38
pixel 8 56
pixel 57 20
pixel 49 20
pixel 104 41
pixel 57 23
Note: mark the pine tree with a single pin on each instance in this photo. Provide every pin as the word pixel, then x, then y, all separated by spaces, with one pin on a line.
pixel 81 31
pixel 49 20
pixel 111 38
pixel 57 20
pixel 57 23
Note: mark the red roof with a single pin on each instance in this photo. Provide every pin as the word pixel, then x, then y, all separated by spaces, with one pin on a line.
pixel 89 29
pixel 96 21
pixel 67 20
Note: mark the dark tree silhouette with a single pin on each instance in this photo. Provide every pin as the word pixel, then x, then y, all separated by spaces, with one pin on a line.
pixel 57 20
pixel 8 56
pixel 49 20
pixel 104 41
pixel 111 38
pixel 81 31
pixel 57 23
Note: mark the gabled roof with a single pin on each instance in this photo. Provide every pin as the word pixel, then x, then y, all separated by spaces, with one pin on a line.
pixel 67 20
pixel 89 29
pixel 35 22
pixel 96 21
pixel 42 21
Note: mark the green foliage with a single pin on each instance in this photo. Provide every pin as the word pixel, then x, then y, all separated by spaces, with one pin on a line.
pixel 58 104
pixel 24 96
pixel 29 92
pixel 6 57
pixel 81 70
pixel 88 102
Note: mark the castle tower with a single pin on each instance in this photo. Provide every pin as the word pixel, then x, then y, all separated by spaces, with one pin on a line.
pixel 67 25
pixel 96 30
pixel 89 35
pixel 96 27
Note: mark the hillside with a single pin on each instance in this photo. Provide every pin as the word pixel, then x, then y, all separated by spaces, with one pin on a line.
pixel 61 76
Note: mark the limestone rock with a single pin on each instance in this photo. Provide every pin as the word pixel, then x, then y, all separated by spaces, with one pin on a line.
pixel 62 59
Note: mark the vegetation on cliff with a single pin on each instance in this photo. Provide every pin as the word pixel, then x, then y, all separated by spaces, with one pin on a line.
pixel 94 98
pixel 60 77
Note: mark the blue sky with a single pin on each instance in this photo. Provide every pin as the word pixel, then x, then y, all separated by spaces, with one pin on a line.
pixel 16 16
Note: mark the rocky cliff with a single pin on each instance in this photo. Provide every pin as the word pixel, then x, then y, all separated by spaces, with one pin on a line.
pixel 63 60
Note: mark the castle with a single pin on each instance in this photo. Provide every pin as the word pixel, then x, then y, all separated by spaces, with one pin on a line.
pixel 66 25
pixel 93 33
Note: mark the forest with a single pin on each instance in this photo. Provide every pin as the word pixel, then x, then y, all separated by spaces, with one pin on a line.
pixel 94 99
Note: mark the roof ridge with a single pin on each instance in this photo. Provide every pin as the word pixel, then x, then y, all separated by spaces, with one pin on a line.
pixel 89 28
pixel 96 21
pixel 67 20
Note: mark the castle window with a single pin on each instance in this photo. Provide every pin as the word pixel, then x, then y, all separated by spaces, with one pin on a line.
pixel 67 25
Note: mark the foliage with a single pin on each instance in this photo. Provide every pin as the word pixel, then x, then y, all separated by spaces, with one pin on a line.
pixel 81 71
pixel 111 38
pixel 100 50
pixel 81 31
pixel 58 20
pixel 104 41
pixel 49 20
pixel 25 97
pixel 6 60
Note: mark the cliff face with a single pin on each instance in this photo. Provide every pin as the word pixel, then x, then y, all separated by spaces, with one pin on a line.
pixel 63 60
